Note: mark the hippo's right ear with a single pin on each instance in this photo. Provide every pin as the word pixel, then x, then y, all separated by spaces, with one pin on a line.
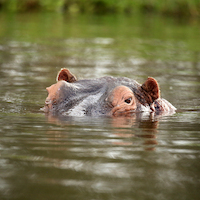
pixel 66 75
pixel 151 88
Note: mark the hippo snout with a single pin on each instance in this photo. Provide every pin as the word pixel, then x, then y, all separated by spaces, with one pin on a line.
pixel 48 101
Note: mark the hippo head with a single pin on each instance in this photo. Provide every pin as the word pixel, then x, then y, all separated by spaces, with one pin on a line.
pixel 104 96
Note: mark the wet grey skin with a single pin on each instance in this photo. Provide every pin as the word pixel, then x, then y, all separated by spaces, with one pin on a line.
pixel 90 97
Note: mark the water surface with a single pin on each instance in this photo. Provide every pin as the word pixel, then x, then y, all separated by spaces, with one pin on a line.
pixel 142 157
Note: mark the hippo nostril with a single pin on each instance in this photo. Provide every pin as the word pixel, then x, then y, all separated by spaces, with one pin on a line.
pixel 48 101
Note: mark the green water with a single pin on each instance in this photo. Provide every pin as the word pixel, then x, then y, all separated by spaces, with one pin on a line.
pixel 44 157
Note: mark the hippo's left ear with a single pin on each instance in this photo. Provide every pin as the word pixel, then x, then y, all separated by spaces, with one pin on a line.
pixel 66 75
pixel 151 88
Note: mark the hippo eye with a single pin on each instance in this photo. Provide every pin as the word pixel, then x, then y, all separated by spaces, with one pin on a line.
pixel 128 101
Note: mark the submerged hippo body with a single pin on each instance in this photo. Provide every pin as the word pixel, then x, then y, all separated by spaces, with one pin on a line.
pixel 104 96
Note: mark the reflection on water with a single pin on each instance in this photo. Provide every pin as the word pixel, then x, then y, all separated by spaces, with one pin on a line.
pixel 99 156
pixel 138 157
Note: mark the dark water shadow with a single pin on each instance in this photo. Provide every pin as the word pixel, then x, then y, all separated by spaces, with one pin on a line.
pixel 140 125
pixel 188 110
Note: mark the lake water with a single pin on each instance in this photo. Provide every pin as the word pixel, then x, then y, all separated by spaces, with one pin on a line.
pixel 84 158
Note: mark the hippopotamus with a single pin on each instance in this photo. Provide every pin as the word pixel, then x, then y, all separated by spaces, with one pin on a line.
pixel 105 96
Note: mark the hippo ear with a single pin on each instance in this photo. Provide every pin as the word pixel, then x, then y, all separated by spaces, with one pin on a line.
pixel 151 88
pixel 66 75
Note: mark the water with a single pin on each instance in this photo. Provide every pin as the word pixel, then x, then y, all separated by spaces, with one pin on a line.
pixel 45 157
